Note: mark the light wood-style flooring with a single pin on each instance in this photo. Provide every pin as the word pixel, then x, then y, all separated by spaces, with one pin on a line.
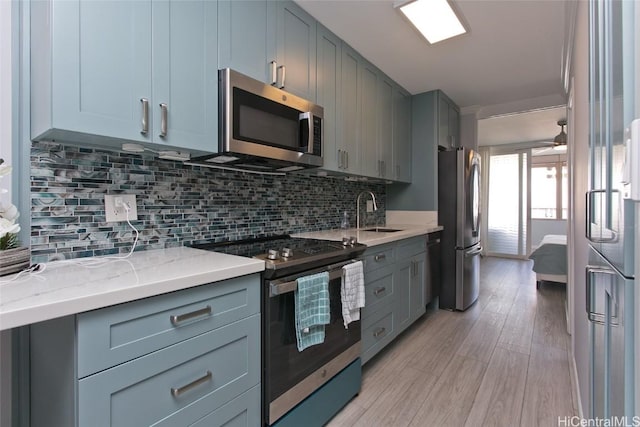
pixel 503 362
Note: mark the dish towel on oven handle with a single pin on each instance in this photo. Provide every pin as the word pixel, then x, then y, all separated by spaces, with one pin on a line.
pixel 311 299
pixel 352 292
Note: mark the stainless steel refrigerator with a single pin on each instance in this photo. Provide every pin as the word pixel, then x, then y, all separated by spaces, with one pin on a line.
pixel 459 214
pixel 613 209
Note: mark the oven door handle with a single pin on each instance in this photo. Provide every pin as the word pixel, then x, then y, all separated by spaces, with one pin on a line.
pixel 282 287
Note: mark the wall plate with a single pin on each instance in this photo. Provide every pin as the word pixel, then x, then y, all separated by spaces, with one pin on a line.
pixel 114 211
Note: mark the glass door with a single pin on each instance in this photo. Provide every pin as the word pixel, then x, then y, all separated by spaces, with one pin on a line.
pixel 507 204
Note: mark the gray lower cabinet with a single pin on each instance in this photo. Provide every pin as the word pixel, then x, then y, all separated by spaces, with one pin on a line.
pixel 395 281
pixel 186 358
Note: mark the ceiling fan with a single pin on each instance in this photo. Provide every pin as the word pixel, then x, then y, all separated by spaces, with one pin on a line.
pixel 561 138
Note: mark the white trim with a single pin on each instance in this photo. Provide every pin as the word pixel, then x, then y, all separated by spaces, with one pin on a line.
pixel 575 382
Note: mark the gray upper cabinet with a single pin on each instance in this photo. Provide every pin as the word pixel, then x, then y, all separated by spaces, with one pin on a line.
pixel 401 135
pixel 296 50
pixel 274 42
pixel 369 118
pixel 245 42
pixel 349 107
pixel 448 122
pixel 385 128
pixel 328 94
pixel 151 81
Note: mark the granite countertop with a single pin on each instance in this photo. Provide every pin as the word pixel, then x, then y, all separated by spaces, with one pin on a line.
pixel 371 238
pixel 65 288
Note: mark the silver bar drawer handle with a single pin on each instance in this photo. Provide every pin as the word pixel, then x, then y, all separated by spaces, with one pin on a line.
pixel 145 116
pixel 179 318
pixel 379 257
pixel 379 332
pixel 283 74
pixel 378 291
pixel 163 120
pixel 274 74
pixel 177 391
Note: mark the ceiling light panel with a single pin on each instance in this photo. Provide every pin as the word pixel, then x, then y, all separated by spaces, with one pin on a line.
pixel 435 19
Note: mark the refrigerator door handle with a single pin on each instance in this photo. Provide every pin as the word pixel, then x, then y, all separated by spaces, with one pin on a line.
pixel 613 236
pixel 474 252
pixel 592 314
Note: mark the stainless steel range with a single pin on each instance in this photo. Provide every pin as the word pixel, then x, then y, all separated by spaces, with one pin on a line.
pixel 290 377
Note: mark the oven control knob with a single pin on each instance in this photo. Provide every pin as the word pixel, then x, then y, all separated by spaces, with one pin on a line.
pixel 272 254
pixel 352 240
pixel 287 252
pixel 346 241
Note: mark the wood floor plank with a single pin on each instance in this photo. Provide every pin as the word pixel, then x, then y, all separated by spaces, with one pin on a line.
pixel 484 366
pixel 551 327
pixel 548 393
pixel 482 338
pixel 499 398
pixel 451 399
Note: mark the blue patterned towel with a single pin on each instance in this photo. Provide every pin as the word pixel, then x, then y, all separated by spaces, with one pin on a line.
pixel 312 309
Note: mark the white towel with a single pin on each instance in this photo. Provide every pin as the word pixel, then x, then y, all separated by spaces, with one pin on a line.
pixel 352 292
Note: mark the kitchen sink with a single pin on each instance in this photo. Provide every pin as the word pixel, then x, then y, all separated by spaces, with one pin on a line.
pixel 382 230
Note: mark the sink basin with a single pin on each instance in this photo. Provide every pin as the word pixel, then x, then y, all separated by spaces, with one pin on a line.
pixel 382 230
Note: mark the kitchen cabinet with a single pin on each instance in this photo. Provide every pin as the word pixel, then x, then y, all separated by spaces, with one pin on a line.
pixel 395 280
pixel 328 95
pixel 349 107
pixel 274 42
pixel 448 122
pixel 385 151
pixel 369 118
pixel 172 359
pixel 426 131
pixel 152 79
pixel 401 135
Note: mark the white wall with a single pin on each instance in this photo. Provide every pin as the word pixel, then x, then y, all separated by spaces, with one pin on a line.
pixel 578 163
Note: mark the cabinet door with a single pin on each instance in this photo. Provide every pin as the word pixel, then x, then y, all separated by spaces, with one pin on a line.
pixel 444 139
pixel 385 128
pixel 349 128
pixel 328 90
pixel 454 126
pixel 296 50
pixel 368 111
pixel 245 43
pixel 401 135
pixel 185 79
pixel 402 280
pixel 418 284
pixel 97 76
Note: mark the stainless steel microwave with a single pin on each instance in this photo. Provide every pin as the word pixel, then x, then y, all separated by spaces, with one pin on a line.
pixel 265 128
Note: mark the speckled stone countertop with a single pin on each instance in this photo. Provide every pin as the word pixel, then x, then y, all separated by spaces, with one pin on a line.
pixel 65 288
pixel 371 238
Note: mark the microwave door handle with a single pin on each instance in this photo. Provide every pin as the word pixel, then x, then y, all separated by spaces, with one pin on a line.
pixel 311 138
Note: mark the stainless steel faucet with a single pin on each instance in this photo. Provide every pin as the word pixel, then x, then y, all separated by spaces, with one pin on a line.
pixel 375 206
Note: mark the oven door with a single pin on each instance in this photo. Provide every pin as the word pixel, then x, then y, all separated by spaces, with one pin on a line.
pixel 290 376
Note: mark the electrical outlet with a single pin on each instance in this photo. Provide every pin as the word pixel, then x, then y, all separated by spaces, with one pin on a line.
pixel 369 205
pixel 115 210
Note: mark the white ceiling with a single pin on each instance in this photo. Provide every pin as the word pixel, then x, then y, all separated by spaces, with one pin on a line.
pixel 513 51
pixel 536 127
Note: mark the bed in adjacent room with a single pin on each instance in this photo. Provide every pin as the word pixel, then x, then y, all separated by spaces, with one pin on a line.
pixel 550 259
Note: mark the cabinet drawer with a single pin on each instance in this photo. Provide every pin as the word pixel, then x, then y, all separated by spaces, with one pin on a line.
pixel 243 411
pixel 113 335
pixel 411 247
pixel 378 257
pixel 379 290
pixel 378 335
pixel 177 385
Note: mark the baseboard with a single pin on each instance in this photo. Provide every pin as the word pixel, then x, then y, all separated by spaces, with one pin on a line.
pixel 575 383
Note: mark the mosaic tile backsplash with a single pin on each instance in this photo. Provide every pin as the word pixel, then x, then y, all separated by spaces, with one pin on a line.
pixel 177 204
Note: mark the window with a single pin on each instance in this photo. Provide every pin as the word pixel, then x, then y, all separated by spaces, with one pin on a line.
pixel 549 185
